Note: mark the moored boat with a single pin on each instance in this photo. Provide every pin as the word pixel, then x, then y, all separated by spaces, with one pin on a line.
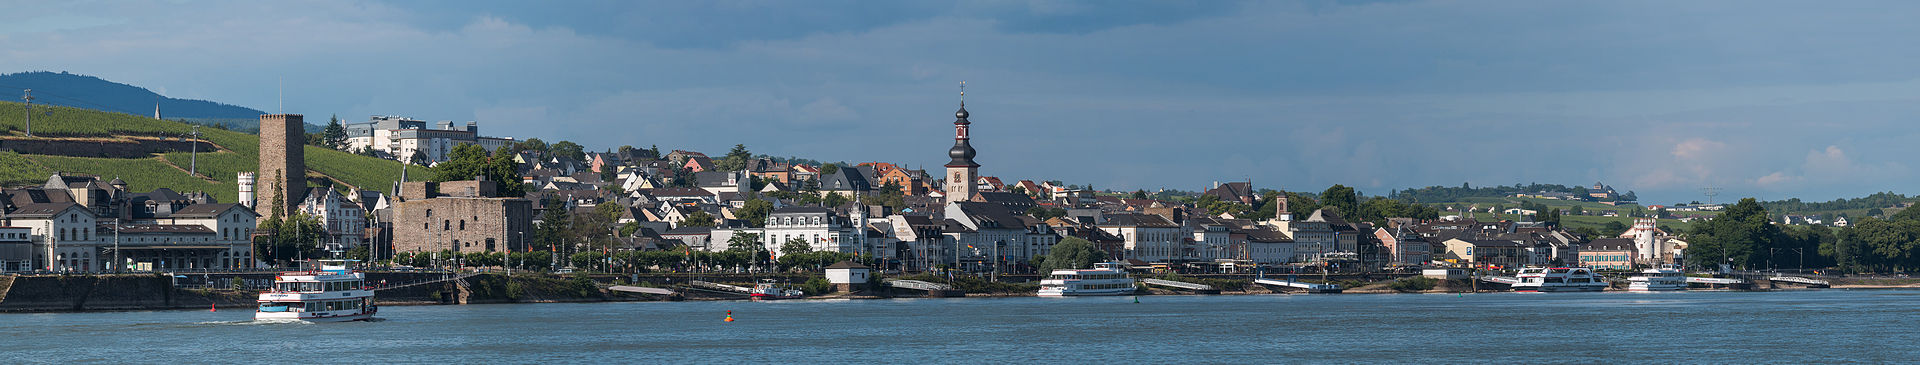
pixel 332 293
pixel 1658 279
pixel 1559 279
pixel 1103 279
pixel 766 290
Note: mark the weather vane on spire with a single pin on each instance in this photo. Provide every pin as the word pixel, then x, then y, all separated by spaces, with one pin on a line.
pixel 963 92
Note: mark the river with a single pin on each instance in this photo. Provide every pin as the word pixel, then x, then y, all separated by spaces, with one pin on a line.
pixel 1720 327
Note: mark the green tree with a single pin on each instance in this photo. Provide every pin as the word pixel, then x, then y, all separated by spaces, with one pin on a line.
pixel 735 160
pixel 1073 253
pixel 534 145
pixel 569 149
pixel 1342 197
pixel 556 225
pixel 289 239
pixel 697 219
pixel 748 245
pixel 795 245
pixel 467 161
pixel 1301 206
pixel 829 169
pixel 755 212
pixel 833 200
pixel 335 135
pixel 1738 236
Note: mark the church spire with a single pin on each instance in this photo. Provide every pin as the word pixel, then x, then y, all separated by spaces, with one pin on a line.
pixel 962 151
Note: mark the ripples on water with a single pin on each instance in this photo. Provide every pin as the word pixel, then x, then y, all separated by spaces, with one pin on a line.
pixel 1690 327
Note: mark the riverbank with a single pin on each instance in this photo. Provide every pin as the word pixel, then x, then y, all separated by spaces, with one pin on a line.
pixel 82 293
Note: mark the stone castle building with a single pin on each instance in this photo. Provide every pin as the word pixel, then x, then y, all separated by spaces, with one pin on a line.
pixel 460 216
pixel 282 180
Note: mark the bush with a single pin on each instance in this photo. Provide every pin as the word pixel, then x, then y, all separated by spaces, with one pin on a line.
pixel 817 286
pixel 583 287
pixel 1413 284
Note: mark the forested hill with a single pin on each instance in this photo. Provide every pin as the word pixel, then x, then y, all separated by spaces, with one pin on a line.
pixel 1439 194
pixel 1875 201
pixel 88 92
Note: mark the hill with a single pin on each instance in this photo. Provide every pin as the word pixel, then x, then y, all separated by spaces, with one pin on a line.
pixel 234 152
pixel 88 92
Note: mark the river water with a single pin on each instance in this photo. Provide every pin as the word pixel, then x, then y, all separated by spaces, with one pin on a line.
pixel 1713 327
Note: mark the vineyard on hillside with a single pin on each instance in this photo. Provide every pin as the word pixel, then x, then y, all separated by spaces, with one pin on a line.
pixel 218 168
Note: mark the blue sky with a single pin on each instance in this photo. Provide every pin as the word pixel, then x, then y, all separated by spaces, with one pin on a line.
pixel 1765 99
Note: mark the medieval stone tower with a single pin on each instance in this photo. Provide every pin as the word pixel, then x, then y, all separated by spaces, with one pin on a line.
pixel 282 177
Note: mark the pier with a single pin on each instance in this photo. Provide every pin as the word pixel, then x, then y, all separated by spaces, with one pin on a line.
pixel 1308 287
pixel 1192 287
pixel 934 290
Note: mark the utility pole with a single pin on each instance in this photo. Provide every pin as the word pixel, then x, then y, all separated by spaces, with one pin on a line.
pixel 116 246
pixel 194 168
pixel 29 99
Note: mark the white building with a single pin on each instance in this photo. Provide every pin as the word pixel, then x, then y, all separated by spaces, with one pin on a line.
pixel 345 220
pixel 819 227
pixel 64 235
pixel 400 137
pixel 16 249
pixel 1146 237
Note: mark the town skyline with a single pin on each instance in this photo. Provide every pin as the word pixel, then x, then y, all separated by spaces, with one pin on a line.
pixel 1294 96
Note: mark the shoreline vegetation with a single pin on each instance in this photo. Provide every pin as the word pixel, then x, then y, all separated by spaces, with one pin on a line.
pixel 126 292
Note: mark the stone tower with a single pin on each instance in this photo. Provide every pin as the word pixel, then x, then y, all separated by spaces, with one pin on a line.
pixel 283 164
pixel 962 171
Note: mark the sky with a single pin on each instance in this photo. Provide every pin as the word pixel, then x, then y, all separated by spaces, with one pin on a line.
pixel 1765 99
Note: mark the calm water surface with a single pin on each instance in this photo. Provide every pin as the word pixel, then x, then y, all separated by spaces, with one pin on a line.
pixel 1714 327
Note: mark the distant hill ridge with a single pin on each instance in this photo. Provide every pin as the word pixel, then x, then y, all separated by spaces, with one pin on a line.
pixel 89 92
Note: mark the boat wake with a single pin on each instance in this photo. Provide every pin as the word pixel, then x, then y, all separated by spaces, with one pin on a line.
pixel 255 322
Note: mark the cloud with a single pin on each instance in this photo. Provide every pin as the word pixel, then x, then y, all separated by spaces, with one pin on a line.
pixel 1772 99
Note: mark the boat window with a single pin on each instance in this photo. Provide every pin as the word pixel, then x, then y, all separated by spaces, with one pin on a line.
pixel 274 307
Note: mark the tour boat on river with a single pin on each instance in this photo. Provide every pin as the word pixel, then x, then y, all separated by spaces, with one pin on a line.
pixel 1660 279
pixel 1557 279
pixel 333 293
pixel 1103 279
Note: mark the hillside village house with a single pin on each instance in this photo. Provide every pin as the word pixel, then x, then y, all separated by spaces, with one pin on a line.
pixel 1404 248
pixel 1486 253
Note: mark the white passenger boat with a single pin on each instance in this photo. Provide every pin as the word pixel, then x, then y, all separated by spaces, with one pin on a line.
pixel 333 293
pixel 1103 279
pixel 1558 279
pixel 1661 279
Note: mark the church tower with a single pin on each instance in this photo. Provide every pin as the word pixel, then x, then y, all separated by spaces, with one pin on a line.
pixel 962 171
